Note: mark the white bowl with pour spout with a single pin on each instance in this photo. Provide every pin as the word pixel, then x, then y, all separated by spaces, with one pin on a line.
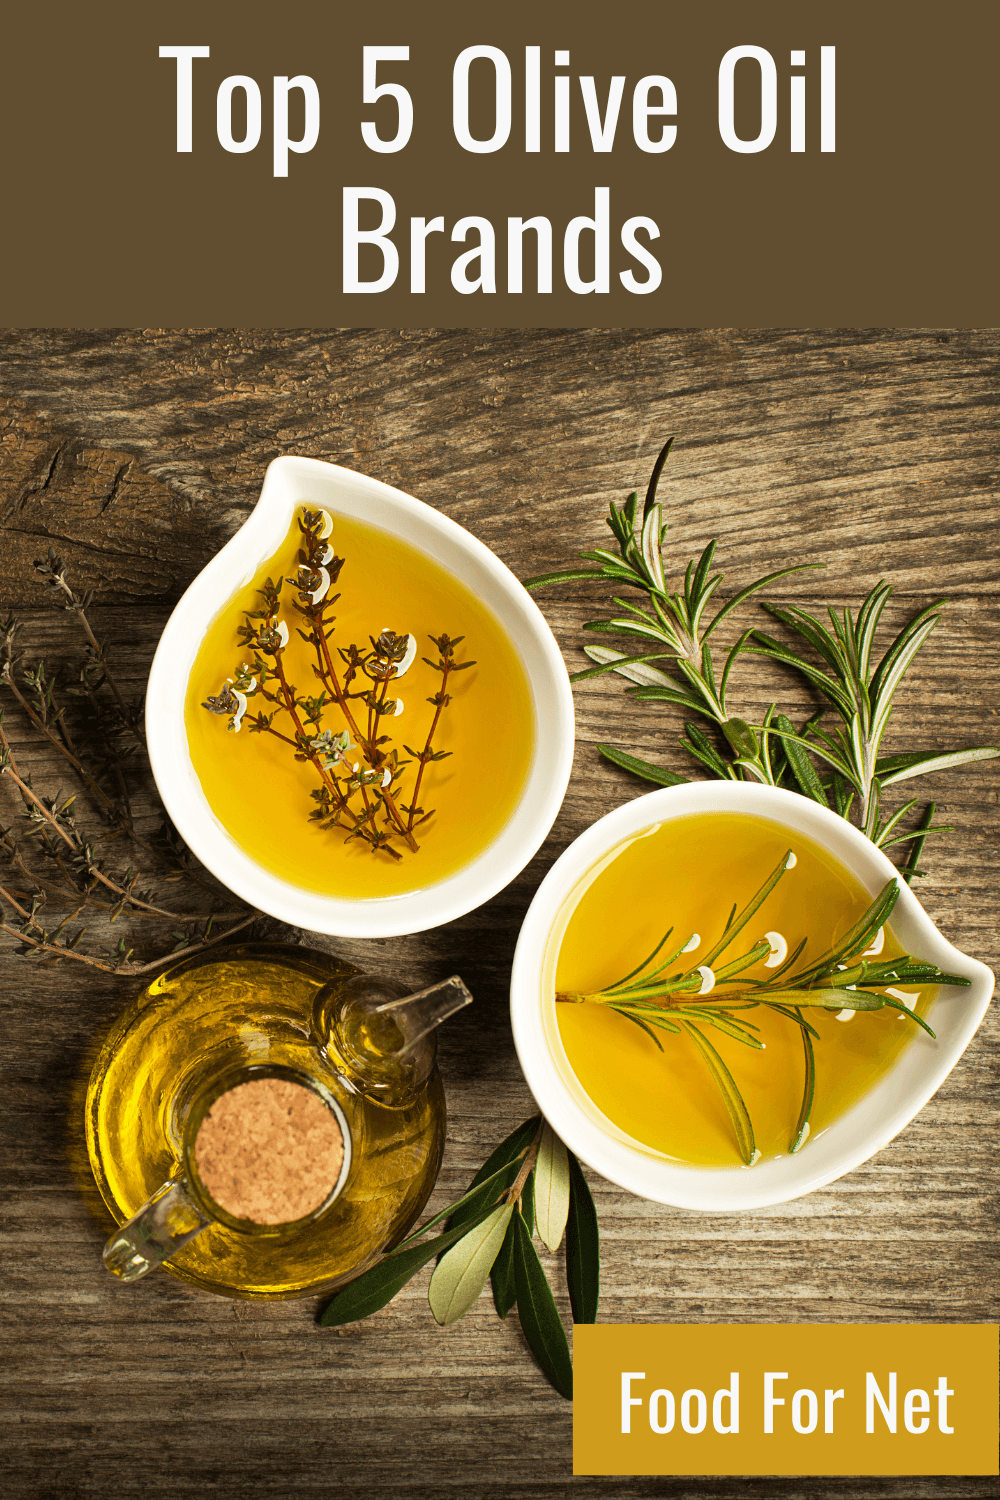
pixel 891 1102
pixel 290 483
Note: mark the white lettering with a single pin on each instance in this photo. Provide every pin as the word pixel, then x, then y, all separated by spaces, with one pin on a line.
pixel 642 255
pixel 628 1400
pixel 185 90
pixel 873 1394
pixel 732 1395
pixel 283 143
pixel 602 135
pixel 599 225
pixel 916 1403
pixel 667 1425
pixel 770 1399
pixel 224 113
pixel 355 237
pixel 460 100
pixel 809 1398
pixel 696 1398
pixel 515 250
pixel 768 99
pixel 372 92
pixel 642 111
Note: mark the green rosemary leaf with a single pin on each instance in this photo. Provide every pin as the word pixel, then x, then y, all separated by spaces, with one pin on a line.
pixel 910 871
pixel 882 833
pixel 374 1288
pixel 637 1022
pixel 625 627
pixel 833 998
pixel 638 970
pixel 564 575
pixel 802 767
pixel 551 1193
pixel 755 902
pixel 752 588
pixel 731 1095
pixel 742 738
pixel 654 478
pixel 700 746
pixel 462 1272
pixel 809 628
pixel 891 669
pixel 644 768
pixel 539 1316
pixel 808 1090
pixel 792 1015
pixel 727 1027
pixel 859 936
pixel 746 961
pixel 632 667
pixel 921 765
pixel 502 1274
pixel 827 685
pixel 898 1005
pixel 667 695
pixel 583 1253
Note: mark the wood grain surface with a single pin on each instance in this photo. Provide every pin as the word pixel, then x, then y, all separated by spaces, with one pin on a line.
pixel 136 455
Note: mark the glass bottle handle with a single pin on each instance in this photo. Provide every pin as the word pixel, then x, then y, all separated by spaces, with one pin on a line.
pixel 163 1225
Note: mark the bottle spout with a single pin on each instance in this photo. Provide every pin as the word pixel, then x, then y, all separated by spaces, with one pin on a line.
pixel 416 1016
pixel 382 1038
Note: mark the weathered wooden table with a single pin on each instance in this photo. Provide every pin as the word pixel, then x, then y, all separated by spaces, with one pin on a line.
pixel 136 455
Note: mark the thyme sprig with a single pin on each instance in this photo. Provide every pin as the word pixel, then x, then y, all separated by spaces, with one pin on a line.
pixel 76 877
pixel 853 772
pixel 693 998
pixel 359 769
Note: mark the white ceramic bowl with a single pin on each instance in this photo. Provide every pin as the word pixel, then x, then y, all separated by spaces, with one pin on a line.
pixel 289 483
pixel 891 1103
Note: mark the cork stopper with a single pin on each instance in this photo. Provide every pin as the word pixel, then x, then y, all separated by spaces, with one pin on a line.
pixel 269 1151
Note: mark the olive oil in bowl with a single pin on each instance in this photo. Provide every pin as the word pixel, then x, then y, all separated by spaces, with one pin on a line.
pixel 327 795
pixel 659 1086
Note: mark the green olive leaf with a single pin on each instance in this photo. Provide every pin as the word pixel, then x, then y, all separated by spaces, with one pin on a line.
pixel 374 1288
pixel 551 1189
pixel 539 1316
pixel 583 1252
pixel 462 1272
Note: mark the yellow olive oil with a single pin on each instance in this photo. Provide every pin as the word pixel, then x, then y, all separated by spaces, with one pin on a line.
pixel 688 873
pixel 251 1007
pixel 263 797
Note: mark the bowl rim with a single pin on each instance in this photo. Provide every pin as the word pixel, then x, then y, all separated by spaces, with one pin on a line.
pixel 290 481
pixel 853 1137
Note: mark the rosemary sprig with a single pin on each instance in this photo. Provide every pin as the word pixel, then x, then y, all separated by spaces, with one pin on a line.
pixel 861 694
pixel 359 770
pixel 674 625
pixel 848 976
pixel 854 772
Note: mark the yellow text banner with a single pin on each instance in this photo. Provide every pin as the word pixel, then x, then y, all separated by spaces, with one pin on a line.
pixel 781 1398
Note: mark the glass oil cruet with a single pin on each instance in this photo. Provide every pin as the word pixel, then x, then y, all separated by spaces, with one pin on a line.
pixel 361 1047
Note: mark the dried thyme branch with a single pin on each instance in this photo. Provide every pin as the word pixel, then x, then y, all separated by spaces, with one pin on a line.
pixel 53 570
pixel 445 664
pixel 52 821
pixel 365 677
